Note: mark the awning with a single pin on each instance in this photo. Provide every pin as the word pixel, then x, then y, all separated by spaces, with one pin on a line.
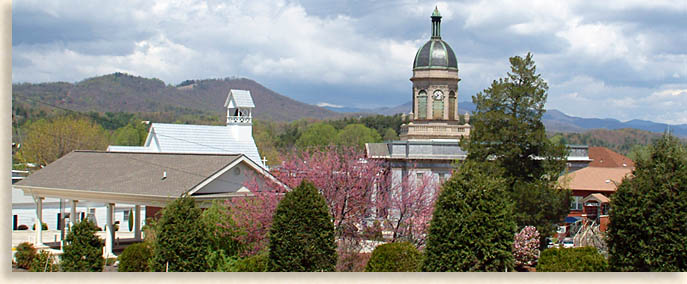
pixel 571 220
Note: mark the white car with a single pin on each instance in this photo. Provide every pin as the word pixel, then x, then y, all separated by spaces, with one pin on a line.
pixel 568 243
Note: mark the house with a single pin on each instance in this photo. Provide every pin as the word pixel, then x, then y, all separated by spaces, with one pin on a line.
pixel 592 188
pixel 137 179
pixel 236 137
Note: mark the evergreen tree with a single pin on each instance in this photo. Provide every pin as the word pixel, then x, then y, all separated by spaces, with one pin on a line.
pixel 302 233
pixel 472 227
pixel 648 228
pixel 182 240
pixel 508 129
pixel 83 251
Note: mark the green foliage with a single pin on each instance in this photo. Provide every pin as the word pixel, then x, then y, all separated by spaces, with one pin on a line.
pixel 133 134
pixel 318 134
pixel 648 228
pixel 356 135
pixel 84 250
pixel 254 263
pixel 182 239
pixel 581 259
pixel 44 226
pixel 25 255
pixel 639 152
pixel 44 262
pixel 222 232
pixel 302 234
pixel 472 227
pixel 508 128
pixel 390 135
pixel 135 258
pixel 48 140
pixel 394 257
pixel 219 261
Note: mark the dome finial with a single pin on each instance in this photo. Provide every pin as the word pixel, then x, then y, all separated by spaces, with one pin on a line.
pixel 436 12
pixel 436 23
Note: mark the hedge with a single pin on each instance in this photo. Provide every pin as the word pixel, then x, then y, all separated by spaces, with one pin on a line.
pixel 394 257
pixel 135 258
pixel 581 259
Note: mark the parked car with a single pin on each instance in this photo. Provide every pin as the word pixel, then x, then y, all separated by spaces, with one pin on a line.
pixel 568 243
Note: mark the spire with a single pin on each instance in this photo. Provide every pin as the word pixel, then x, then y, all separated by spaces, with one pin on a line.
pixel 436 23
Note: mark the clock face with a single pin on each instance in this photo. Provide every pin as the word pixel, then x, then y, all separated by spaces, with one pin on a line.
pixel 438 95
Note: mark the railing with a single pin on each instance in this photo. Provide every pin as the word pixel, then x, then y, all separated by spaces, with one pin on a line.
pixel 238 119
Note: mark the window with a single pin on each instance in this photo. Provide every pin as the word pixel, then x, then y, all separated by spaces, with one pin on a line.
pixel 576 203
pixel 14 222
pixel 452 106
pixel 438 109
pixel 422 105
pixel 126 214
pixel 419 178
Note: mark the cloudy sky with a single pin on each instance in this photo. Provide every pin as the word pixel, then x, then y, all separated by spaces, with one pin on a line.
pixel 617 59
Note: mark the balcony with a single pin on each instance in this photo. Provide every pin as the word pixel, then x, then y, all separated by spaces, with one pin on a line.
pixel 239 120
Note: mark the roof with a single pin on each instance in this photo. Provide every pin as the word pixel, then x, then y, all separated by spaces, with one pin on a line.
pixel 128 173
pixel 435 53
pixel 595 178
pixel 187 138
pixel 596 196
pixel 604 157
pixel 239 98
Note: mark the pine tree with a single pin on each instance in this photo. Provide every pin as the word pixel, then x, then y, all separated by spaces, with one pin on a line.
pixel 508 129
pixel 648 228
pixel 472 227
pixel 83 251
pixel 182 238
pixel 302 233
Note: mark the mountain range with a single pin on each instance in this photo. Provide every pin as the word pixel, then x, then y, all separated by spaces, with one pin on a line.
pixel 127 93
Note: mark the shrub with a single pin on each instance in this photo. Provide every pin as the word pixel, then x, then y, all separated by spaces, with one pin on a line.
pixel 581 259
pixel 472 226
pixel 648 230
pixel 25 254
pixel 135 258
pixel 44 226
pixel 218 261
pixel 181 240
pixel 394 257
pixel 526 246
pixel 22 227
pixel 44 262
pixel 302 233
pixel 255 263
pixel 83 250
pixel 222 231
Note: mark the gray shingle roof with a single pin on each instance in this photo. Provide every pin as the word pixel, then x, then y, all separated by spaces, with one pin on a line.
pixel 129 173
pixel 241 98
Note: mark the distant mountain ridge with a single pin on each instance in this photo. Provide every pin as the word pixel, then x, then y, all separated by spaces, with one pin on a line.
pixel 554 120
pixel 127 93
pixel 121 92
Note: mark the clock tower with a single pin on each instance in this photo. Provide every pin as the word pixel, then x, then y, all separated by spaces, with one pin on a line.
pixel 435 92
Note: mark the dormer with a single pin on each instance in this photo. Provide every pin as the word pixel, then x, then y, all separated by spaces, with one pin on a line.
pixel 239 106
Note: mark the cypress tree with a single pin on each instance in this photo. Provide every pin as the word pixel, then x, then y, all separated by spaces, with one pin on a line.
pixel 83 251
pixel 182 239
pixel 302 233
pixel 472 227
pixel 648 228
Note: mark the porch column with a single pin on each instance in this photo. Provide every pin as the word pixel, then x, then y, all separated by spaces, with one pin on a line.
pixel 72 214
pixel 39 221
pixel 109 231
pixel 137 222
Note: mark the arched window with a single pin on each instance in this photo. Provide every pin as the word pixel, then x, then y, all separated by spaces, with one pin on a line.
pixel 452 106
pixel 422 105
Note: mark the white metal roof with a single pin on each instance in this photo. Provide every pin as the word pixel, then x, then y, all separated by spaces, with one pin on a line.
pixel 114 148
pixel 239 98
pixel 186 138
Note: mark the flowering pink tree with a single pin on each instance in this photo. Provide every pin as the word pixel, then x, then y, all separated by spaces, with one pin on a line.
pixel 344 177
pixel 526 246
pixel 410 204
pixel 251 215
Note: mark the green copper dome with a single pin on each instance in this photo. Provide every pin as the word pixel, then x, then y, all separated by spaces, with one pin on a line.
pixel 436 53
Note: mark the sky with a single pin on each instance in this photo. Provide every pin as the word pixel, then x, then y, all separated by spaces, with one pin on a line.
pixel 620 59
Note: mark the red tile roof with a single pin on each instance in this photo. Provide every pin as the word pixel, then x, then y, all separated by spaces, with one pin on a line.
pixel 604 157
pixel 595 179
